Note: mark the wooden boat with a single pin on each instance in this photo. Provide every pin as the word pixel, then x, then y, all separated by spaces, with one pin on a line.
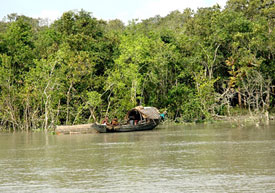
pixel 124 128
pixel 142 118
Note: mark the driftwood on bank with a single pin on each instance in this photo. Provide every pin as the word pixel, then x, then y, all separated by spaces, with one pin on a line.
pixel 74 129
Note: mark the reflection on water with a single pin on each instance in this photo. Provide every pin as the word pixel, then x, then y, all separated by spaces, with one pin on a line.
pixel 194 158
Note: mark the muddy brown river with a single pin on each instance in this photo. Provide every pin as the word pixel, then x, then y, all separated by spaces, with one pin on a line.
pixel 220 157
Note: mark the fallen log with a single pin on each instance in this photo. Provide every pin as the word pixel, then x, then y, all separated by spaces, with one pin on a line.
pixel 73 129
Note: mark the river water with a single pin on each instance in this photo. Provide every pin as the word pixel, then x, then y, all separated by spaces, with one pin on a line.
pixel 188 158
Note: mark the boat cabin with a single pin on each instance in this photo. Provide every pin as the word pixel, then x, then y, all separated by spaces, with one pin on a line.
pixel 142 114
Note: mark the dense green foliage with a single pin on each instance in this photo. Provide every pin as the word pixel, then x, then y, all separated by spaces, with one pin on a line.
pixel 196 65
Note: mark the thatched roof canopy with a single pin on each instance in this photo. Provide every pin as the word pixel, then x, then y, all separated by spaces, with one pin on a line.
pixel 146 112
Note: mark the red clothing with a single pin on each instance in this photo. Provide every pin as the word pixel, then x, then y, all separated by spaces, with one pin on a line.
pixel 105 121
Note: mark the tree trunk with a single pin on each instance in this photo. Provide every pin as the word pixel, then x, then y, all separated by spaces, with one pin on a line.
pixel 257 101
pixel 239 97
pixel 68 103
pixel 92 114
pixel 46 114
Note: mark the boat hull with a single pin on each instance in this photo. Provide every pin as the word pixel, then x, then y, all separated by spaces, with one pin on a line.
pixel 124 128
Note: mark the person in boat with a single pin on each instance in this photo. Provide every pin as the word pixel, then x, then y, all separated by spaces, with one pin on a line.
pixel 105 121
pixel 115 121
pixel 162 115
pixel 132 120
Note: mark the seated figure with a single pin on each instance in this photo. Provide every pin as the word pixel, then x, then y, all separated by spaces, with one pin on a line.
pixel 105 121
pixel 115 121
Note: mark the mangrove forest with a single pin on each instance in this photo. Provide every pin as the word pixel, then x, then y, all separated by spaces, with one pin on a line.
pixel 195 64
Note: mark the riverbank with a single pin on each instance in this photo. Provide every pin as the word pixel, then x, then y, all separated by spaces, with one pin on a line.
pixel 238 120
